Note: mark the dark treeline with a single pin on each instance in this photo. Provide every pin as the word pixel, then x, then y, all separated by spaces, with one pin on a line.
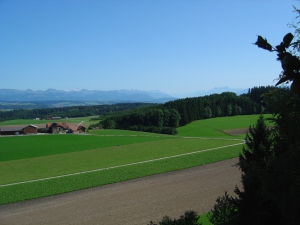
pixel 14 105
pixel 165 118
pixel 211 106
pixel 155 119
pixel 75 111
pixel 256 94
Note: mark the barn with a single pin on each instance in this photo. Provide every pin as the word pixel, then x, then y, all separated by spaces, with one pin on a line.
pixel 16 130
pixel 76 129
pixel 30 129
pixel 11 131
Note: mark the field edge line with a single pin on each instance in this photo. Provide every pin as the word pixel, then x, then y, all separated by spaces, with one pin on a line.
pixel 114 167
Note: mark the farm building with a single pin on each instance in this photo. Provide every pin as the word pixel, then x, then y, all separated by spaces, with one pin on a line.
pixel 30 129
pixel 57 127
pixel 11 131
pixel 76 129
pixel 16 130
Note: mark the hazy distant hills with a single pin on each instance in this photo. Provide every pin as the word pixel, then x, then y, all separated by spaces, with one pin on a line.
pixel 85 95
pixel 105 97
pixel 216 90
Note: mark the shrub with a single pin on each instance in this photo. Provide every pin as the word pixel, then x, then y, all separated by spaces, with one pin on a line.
pixel 189 218
pixel 169 130
pixel 224 211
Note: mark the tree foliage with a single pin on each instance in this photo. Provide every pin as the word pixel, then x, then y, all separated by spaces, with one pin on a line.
pixel 188 218
pixel 74 111
pixel 290 63
pixel 224 211
pixel 270 158
pixel 165 118
pixel 282 179
pixel 282 176
pixel 253 206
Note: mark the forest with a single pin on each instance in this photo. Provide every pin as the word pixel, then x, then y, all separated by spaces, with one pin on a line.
pixel 165 118
pixel 75 111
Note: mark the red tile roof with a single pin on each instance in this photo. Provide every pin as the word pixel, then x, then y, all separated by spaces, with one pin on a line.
pixel 73 127
pixel 59 124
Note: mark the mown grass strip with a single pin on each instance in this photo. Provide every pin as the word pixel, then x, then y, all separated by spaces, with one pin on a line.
pixel 43 188
pixel 124 132
pixel 22 147
pixel 74 162
pixel 125 165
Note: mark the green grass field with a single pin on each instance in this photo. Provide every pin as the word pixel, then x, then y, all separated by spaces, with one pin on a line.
pixel 43 165
pixel 79 161
pixel 25 147
pixel 214 127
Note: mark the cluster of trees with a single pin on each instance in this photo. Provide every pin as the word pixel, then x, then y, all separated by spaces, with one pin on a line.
pixel 75 111
pixel 188 218
pixel 270 158
pixel 215 105
pixel 270 171
pixel 257 94
pixel 151 119
pixel 165 118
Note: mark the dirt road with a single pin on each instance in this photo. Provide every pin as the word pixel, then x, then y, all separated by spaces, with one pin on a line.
pixel 130 202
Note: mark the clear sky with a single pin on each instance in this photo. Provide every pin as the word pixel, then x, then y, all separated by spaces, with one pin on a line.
pixel 175 46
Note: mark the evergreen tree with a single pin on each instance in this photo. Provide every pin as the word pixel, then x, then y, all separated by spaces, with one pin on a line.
pixel 219 111
pixel 174 118
pixel 253 206
pixel 270 160
pixel 282 180
pixel 207 112
pixel 229 109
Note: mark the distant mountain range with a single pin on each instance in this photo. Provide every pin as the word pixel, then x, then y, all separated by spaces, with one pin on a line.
pixel 85 95
pixel 105 97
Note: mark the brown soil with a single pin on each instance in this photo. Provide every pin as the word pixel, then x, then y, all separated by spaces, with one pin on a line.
pixel 236 131
pixel 131 202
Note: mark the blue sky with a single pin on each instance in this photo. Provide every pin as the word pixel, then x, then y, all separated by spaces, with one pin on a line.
pixel 175 46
